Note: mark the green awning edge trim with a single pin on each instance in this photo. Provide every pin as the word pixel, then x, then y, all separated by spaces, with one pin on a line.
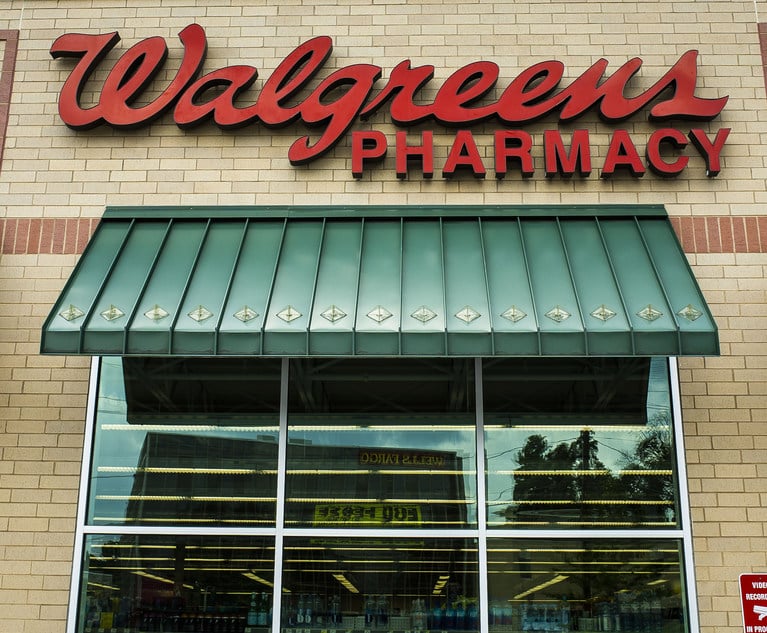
pixel 502 262
pixel 383 211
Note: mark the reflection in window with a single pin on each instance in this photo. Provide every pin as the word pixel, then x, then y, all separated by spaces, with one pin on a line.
pixel 381 584
pixel 175 452
pixel 632 585
pixel 383 444
pixel 586 444
pixel 176 583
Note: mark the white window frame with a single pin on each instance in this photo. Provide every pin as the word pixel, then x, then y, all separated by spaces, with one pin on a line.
pixel 480 533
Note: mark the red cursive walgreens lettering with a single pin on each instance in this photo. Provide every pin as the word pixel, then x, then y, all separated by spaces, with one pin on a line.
pixel 345 95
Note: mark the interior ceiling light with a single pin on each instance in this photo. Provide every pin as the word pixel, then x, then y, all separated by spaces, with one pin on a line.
pixel 100 586
pixel 257 578
pixel 543 585
pixel 440 585
pixel 346 583
pixel 153 577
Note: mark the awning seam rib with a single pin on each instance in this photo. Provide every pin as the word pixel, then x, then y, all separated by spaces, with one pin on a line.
pixel 621 296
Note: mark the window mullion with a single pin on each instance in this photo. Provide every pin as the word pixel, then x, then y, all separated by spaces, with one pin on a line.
pixel 282 453
pixel 481 496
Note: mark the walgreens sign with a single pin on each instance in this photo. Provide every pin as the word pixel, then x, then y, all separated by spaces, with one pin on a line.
pixel 339 99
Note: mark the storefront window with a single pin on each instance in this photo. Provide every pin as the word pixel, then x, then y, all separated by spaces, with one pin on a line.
pixel 314 495
pixel 385 444
pixel 380 585
pixel 633 585
pixel 176 583
pixel 182 442
pixel 579 444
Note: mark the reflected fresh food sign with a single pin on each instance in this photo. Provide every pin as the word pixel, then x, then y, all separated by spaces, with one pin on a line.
pixel 341 99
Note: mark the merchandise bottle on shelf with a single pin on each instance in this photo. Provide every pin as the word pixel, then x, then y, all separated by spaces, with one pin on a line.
pixel 605 621
pixel 449 619
pixel 335 610
pixel 472 617
pixel 436 617
pixel 318 610
pixel 370 611
pixel 526 619
pixel 382 612
pixel 564 615
pixel 252 612
pixel 507 612
pixel 460 615
pixel 657 615
pixel 418 615
pixel 263 610
pixel 308 610
pixel 300 610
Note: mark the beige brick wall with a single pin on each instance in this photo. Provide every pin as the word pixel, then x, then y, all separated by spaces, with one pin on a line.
pixel 724 402
pixel 51 172
pixel 42 407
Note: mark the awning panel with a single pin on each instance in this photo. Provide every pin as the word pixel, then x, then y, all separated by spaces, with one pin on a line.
pixel 377 329
pixel 451 281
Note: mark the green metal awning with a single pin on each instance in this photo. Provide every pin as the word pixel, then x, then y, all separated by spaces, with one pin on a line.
pixel 369 281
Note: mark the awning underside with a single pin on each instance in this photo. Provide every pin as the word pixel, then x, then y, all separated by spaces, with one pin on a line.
pixel 278 283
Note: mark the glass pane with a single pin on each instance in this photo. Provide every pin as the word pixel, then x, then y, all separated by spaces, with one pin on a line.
pixel 176 583
pixel 185 442
pixel 582 443
pixel 381 444
pixel 381 584
pixel 633 586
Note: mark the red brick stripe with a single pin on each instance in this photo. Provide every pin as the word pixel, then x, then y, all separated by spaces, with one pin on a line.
pixel 7 68
pixel 700 234
pixel 49 236
pixel 722 234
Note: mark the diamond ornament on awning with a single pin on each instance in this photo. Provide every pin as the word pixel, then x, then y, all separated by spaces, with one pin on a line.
pixel 480 281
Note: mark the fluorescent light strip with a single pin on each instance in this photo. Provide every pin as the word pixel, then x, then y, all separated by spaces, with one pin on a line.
pixel 185 471
pixel 250 575
pixel 153 576
pixel 180 498
pixel 460 524
pixel 553 581
pixel 173 546
pixel 346 583
pixel 581 473
pixel 440 584
pixel 589 523
pixel 186 428
pixel 369 471
pixel 375 501
pixel 595 502
pixel 122 519
pixel 557 550
pixel 381 427
pixel 100 586
pixel 636 428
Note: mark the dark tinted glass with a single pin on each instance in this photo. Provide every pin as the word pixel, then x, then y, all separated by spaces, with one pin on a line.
pixel 381 444
pixel 205 584
pixel 170 447
pixel 633 585
pixel 583 443
pixel 380 584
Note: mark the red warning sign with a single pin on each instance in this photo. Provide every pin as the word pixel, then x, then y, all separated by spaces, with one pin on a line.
pixel 753 597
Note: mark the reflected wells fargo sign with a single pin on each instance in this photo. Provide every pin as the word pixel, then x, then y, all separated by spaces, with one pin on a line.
pixel 405 459
pixel 336 102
